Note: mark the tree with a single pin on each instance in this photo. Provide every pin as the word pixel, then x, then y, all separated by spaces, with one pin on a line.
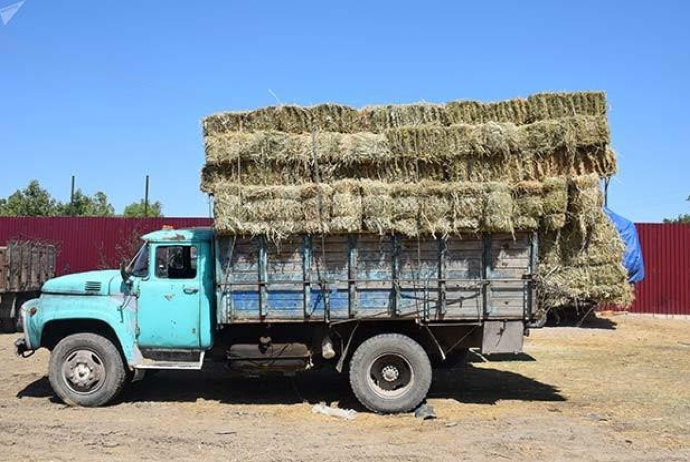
pixel 88 206
pixel 32 201
pixel 682 218
pixel 136 209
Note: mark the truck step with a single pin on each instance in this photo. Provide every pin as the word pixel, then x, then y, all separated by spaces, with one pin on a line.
pixel 194 364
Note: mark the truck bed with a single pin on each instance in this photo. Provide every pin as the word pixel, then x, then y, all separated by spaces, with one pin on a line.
pixel 314 278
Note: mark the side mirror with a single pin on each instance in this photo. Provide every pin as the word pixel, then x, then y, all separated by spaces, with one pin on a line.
pixel 124 273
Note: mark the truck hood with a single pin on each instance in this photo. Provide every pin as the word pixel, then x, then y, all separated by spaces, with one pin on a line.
pixel 88 283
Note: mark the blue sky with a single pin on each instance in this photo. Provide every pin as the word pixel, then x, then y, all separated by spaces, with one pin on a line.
pixel 112 91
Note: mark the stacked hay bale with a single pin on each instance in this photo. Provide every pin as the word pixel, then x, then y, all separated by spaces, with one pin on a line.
pixel 463 167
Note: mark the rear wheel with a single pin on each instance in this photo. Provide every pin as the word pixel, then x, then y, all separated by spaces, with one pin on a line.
pixel 86 370
pixel 390 373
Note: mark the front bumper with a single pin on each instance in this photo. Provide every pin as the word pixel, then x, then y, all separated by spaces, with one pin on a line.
pixel 22 346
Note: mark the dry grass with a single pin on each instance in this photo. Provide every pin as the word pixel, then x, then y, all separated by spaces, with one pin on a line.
pixel 580 249
pixel 582 261
pixel 485 152
pixel 377 119
pixel 464 167
pixel 410 209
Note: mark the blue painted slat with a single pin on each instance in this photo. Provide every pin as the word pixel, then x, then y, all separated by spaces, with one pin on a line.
pixel 357 274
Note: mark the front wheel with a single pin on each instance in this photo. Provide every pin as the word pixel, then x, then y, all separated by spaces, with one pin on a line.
pixel 86 370
pixel 390 373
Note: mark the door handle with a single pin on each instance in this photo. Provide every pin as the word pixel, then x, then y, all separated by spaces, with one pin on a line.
pixel 190 290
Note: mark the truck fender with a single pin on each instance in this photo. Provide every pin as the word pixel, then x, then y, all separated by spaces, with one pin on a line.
pixel 74 314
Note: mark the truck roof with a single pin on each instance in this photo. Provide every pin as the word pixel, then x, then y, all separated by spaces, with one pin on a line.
pixel 177 235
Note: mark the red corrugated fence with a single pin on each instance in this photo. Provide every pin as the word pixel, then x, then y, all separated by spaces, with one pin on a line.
pixel 91 243
pixel 86 243
pixel 666 286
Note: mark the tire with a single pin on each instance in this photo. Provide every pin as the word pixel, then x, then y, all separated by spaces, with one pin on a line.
pixel 390 373
pixel 98 373
pixel 8 302
pixel 7 326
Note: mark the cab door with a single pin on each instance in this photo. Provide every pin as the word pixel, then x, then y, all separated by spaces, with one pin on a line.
pixel 169 299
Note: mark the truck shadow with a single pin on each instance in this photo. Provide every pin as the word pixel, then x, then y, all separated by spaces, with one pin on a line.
pixel 571 318
pixel 465 384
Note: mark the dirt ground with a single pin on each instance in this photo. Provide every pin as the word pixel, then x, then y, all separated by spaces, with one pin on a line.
pixel 616 390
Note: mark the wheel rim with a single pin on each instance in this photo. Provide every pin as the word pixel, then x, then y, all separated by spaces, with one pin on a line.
pixel 83 371
pixel 390 376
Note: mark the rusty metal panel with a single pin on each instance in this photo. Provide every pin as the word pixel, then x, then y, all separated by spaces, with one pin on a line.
pixel 22 268
pixel 666 286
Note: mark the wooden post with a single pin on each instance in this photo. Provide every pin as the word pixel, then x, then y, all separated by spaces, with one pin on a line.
pixel 306 274
pixel 442 250
pixel 352 274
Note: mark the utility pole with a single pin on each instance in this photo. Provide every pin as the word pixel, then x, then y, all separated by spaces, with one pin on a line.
pixel 146 198
pixel 71 199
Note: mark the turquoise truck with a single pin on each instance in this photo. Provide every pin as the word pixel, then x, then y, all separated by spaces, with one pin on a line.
pixel 386 310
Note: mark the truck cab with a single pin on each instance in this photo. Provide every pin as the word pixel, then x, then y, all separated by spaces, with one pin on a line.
pixel 149 314
pixel 386 307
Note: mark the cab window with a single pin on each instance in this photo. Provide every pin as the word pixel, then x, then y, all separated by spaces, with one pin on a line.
pixel 176 262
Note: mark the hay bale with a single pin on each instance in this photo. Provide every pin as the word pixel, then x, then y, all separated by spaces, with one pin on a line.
pixel 497 208
pixel 564 135
pixel 251 173
pixel 390 207
pixel 436 208
pixel 473 112
pixel 377 119
pixel 288 148
pixel 260 147
pixel 486 152
pixel 442 144
pixel 603 284
pixel 430 143
pixel 528 204
pixel 554 203
pixel 584 197
pixel 514 169
pixel 274 211
pixel 468 207
pixel 290 119
pixel 583 265
pixel 256 210
pixel 346 207
pixel 411 209
pixel 543 106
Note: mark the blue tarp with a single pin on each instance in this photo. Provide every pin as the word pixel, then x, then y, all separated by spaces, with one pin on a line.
pixel 632 259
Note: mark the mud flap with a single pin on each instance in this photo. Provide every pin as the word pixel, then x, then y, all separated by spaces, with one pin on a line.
pixel 503 337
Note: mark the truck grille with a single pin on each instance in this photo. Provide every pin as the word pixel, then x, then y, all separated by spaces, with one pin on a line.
pixel 92 286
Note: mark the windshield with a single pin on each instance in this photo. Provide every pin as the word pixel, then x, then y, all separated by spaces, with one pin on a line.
pixel 139 265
